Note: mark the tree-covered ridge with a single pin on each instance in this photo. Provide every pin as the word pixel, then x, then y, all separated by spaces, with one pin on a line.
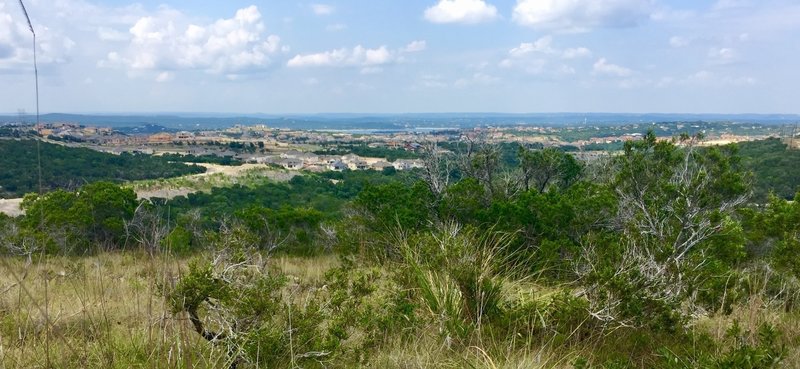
pixel 774 167
pixel 69 168
pixel 391 154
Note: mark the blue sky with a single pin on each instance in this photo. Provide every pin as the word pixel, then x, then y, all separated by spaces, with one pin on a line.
pixel 396 56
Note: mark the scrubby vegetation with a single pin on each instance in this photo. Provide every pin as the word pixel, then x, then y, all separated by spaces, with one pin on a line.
pixel 65 167
pixel 391 154
pixel 774 168
pixel 211 159
pixel 657 258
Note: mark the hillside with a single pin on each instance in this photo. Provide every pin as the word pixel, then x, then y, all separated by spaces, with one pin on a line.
pixel 69 168
pixel 774 168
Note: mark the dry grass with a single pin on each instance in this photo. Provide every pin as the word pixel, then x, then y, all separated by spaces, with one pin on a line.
pixel 106 311
pixel 94 312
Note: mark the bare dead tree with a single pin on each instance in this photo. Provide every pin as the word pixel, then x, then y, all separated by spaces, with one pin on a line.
pixel 146 228
pixel 437 168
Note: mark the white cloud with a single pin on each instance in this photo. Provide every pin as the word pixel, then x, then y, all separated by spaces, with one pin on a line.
pixel 578 52
pixel 542 46
pixel 461 11
pixel 16 51
pixel 110 34
pixel 167 41
pixel 416 46
pixel 677 41
pixel 369 60
pixel 581 15
pixel 322 9
pixel 358 56
pixel 602 66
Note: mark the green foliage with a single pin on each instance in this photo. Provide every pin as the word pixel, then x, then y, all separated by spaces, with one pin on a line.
pixel 548 167
pixel 178 241
pixel 370 152
pixel 68 168
pixel 458 276
pixel 395 205
pixel 679 243
pixel 774 168
pixel 80 221
pixel 741 353
pixel 260 319
pixel 211 159
pixel 196 287
pixel 463 201
pixel 286 228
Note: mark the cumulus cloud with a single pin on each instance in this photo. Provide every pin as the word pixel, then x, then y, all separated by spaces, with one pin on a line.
pixel 322 9
pixel 15 42
pixel 166 41
pixel 358 56
pixel 581 15
pixel 416 46
pixel 577 52
pixel 532 56
pixel 602 66
pixel 370 60
pixel 542 45
pixel 461 11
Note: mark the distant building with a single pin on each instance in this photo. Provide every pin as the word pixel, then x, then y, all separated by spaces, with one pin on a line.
pixel 380 165
pixel 338 166
pixel 358 165
pixel 293 164
pixel 162 137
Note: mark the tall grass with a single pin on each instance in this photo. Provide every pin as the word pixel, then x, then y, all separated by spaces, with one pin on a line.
pixel 107 311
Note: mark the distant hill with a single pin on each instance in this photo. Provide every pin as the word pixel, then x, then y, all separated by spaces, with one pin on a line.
pixel 189 121
pixel 67 167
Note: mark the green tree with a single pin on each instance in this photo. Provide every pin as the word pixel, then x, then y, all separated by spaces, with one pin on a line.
pixel 679 235
pixel 92 217
pixel 548 167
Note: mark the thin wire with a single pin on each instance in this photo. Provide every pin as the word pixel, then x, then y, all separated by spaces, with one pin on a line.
pixel 36 77
pixel 39 162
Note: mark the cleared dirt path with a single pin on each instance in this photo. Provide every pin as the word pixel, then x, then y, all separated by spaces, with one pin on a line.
pixel 10 207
